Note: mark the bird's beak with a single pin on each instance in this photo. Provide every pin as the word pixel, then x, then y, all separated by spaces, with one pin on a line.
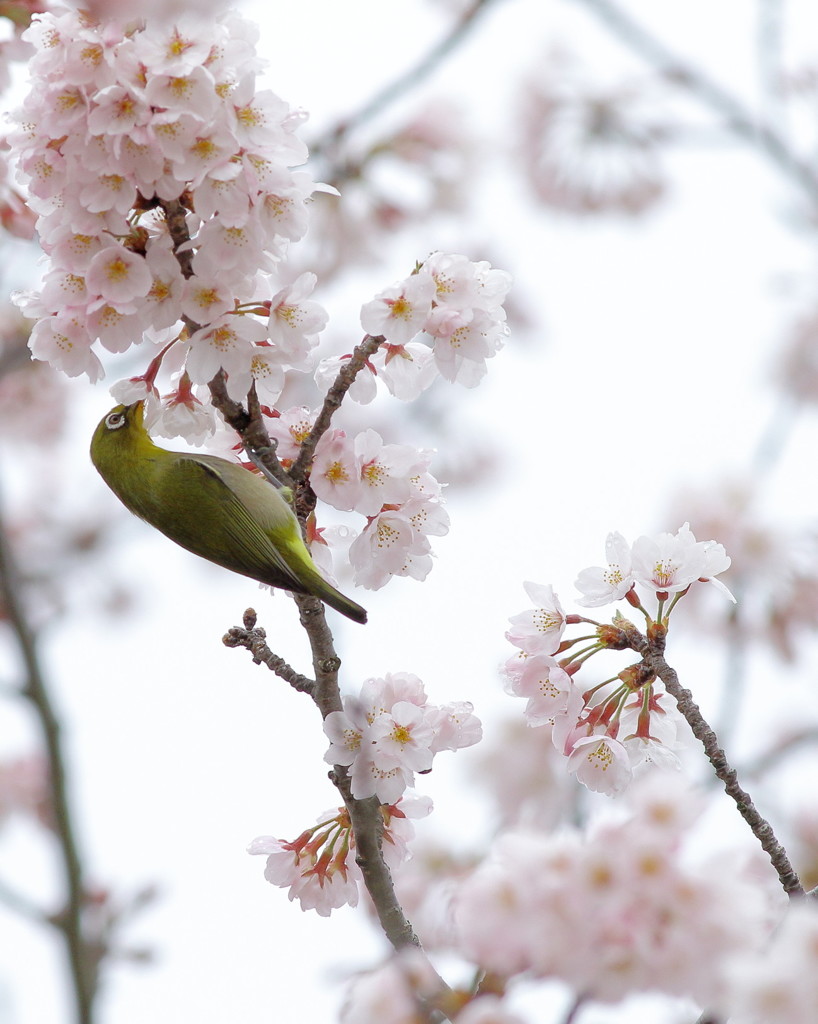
pixel 136 412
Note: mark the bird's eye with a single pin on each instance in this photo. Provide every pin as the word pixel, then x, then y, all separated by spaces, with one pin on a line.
pixel 115 420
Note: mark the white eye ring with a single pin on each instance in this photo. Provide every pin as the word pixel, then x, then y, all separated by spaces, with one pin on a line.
pixel 115 420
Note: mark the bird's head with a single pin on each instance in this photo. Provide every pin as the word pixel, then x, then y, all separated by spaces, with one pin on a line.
pixel 119 431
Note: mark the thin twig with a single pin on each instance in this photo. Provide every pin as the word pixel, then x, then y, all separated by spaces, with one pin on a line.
pixel 82 960
pixel 788 746
pixel 255 641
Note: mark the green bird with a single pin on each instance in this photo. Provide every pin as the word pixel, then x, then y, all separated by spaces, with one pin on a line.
pixel 212 507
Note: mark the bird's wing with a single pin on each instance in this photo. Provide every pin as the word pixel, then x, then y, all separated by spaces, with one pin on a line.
pixel 236 512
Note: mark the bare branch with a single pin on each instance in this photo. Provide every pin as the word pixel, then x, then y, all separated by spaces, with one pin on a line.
pixel 788 746
pixel 255 641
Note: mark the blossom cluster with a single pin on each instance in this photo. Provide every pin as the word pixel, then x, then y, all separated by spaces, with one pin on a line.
pixel 389 731
pixel 319 867
pixel 447 318
pixel 16 217
pixel 617 910
pixel 666 564
pixel 166 203
pixel 628 721
pixel 391 485
pixel 24 789
pixel 144 146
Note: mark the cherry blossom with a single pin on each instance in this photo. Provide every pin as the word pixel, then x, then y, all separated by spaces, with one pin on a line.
pixel 118 276
pixel 406 370
pixel 227 344
pixel 669 563
pixel 400 311
pixel 389 546
pixel 452 304
pixel 290 429
pixel 622 725
pixel 543 682
pixel 385 472
pixel 364 388
pixel 538 631
pixel 295 321
pixel 600 763
pixel 319 869
pixel 336 470
pixel 603 585
pixel 389 731
pixel 115 124
pixel 666 564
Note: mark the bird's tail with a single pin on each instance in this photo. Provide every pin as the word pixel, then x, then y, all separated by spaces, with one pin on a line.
pixel 335 599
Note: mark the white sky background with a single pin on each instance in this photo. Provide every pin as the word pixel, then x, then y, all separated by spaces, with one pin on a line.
pixel 651 346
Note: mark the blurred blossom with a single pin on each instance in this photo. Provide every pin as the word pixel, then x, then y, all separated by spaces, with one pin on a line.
pixel 779 985
pixel 156 10
pixel 33 398
pixel 590 149
pixel 57 547
pixel 392 993
pixel 24 789
pixel 774 571
pixel 525 777
pixel 425 886
pixel 615 909
pixel 397 182
pixel 798 363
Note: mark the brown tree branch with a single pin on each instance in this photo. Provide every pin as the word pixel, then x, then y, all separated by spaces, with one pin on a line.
pixel 83 954
pixel 653 657
pixel 365 815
